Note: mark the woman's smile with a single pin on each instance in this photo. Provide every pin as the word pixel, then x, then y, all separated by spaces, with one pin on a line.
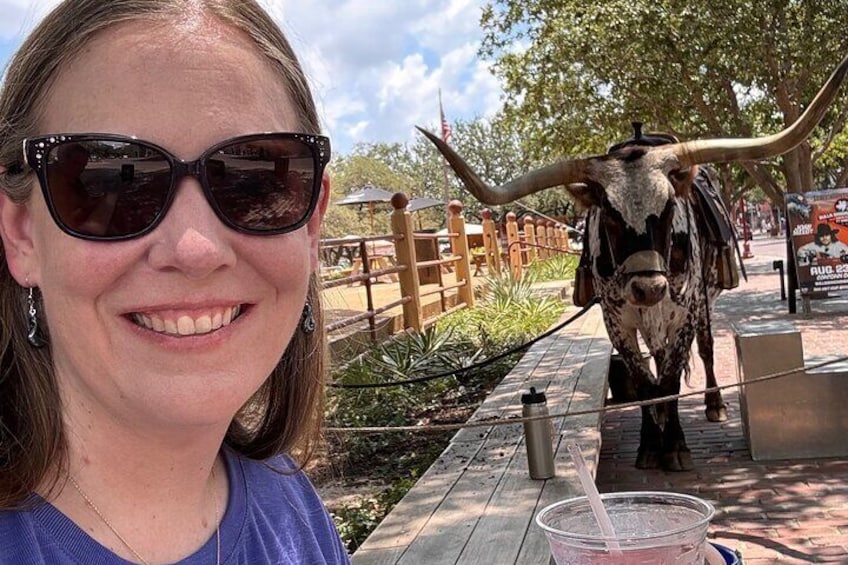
pixel 187 324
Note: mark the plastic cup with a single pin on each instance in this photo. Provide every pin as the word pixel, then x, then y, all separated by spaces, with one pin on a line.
pixel 652 528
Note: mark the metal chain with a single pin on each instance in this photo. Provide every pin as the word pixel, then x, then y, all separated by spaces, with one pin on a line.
pixel 107 522
pixel 141 559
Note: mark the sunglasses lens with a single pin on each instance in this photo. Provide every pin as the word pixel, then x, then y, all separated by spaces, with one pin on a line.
pixel 264 184
pixel 107 189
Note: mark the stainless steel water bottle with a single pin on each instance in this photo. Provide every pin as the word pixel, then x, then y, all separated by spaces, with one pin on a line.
pixel 538 436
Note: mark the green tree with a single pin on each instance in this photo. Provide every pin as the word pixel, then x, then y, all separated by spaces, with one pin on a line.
pixel 576 73
pixel 496 150
pixel 367 164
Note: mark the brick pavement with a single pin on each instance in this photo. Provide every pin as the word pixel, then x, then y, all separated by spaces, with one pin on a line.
pixel 773 511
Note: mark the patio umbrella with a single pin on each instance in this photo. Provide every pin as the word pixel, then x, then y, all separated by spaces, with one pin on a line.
pixel 424 202
pixel 368 194
pixel 418 204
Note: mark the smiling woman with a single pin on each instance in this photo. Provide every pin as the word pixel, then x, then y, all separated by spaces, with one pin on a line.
pixel 162 344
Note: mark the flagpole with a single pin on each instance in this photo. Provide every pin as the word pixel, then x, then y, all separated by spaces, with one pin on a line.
pixel 445 127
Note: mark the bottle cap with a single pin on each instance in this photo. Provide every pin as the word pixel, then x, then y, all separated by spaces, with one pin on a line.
pixel 533 397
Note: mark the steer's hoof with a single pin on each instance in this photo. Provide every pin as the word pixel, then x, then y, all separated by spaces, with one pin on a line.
pixel 716 413
pixel 648 459
pixel 678 460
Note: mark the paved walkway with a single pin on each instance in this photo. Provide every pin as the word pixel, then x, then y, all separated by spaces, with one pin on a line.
pixel 774 511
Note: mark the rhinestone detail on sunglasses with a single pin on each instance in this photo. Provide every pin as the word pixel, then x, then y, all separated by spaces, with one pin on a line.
pixel 260 184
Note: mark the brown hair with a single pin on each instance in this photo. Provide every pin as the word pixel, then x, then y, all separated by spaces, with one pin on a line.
pixel 285 413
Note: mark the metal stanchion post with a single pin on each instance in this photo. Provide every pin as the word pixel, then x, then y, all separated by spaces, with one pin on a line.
pixel 778 266
pixel 746 233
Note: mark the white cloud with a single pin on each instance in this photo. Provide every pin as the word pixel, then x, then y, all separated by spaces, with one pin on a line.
pixel 375 67
pixel 20 16
pixel 392 57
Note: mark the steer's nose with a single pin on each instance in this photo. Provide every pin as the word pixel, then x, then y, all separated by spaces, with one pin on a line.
pixel 647 290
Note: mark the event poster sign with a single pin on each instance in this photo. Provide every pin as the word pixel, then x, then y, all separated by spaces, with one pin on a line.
pixel 818 224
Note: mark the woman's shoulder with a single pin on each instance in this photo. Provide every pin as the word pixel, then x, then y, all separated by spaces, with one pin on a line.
pixel 269 481
pixel 282 509
pixel 280 472
pixel 36 533
pixel 17 536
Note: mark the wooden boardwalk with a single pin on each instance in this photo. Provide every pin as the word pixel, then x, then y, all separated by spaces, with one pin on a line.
pixel 476 504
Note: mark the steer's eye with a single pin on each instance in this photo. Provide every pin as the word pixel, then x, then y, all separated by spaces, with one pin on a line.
pixel 681 179
pixel 680 250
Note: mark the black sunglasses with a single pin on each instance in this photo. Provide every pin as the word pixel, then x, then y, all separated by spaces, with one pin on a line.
pixel 112 187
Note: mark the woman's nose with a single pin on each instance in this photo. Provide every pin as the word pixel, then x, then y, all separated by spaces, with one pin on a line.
pixel 191 239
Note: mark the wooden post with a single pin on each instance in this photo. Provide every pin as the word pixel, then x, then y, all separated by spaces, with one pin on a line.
pixel 530 238
pixel 405 255
pixel 542 237
pixel 566 244
pixel 490 242
pixel 550 230
pixel 459 246
pixel 513 244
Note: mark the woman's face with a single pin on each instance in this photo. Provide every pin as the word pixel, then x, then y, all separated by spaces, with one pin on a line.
pixel 184 87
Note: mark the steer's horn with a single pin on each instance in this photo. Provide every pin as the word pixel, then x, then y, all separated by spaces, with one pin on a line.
pixel 563 172
pixel 721 150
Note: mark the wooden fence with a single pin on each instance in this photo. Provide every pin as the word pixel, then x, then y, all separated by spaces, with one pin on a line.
pixel 538 240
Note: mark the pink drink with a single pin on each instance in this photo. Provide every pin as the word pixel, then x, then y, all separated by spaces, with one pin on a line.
pixel 652 528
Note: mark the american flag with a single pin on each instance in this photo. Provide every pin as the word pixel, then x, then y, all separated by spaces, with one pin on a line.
pixel 446 128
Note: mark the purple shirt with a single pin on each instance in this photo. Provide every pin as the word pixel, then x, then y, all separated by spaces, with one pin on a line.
pixel 271 518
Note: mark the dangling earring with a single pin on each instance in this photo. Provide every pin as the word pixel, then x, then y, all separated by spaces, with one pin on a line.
pixel 307 320
pixel 33 331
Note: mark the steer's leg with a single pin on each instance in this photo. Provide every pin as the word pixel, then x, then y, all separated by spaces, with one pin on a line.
pixel 650 437
pixel 676 455
pixel 716 408
pixel 650 441
pixel 626 342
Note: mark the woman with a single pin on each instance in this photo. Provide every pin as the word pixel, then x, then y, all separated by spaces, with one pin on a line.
pixel 162 357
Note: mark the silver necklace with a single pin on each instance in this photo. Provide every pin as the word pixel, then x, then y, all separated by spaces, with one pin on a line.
pixel 141 559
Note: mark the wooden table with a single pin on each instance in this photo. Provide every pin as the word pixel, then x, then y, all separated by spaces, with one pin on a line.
pixel 479 259
pixel 377 262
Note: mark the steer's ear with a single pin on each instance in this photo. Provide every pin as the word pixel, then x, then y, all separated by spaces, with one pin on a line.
pixel 586 195
pixel 682 179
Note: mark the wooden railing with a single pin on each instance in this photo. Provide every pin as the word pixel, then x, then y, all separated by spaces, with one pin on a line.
pixel 365 276
pixel 410 288
pixel 539 240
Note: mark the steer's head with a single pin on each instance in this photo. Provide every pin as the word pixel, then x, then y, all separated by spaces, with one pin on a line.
pixel 634 185
pixel 632 200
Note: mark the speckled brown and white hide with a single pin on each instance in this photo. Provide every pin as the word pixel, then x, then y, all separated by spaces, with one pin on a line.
pixel 668 327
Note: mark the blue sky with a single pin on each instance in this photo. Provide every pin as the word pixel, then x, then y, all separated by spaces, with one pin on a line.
pixel 376 67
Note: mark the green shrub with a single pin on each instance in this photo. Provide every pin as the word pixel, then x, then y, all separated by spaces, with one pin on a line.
pixel 559 267
pixel 356 520
pixel 508 314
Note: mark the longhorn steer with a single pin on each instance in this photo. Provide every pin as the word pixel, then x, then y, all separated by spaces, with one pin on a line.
pixel 648 255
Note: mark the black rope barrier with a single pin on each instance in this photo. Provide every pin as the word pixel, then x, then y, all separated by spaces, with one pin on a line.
pixel 517 419
pixel 474 366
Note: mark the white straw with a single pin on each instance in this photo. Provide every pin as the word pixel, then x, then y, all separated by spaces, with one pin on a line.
pixel 600 513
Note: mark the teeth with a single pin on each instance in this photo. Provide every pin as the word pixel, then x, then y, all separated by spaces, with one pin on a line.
pixel 203 325
pixel 186 325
